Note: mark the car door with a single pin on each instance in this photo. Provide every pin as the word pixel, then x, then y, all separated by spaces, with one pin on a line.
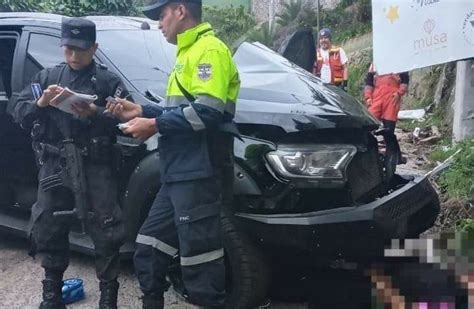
pixel 33 49
pixel 8 44
pixel 39 48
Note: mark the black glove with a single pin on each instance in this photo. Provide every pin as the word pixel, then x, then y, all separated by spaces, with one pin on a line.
pixel 344 85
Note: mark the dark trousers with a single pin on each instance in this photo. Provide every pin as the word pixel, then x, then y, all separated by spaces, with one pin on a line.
pixel 49 234
pixel 390 125
pixel 184 218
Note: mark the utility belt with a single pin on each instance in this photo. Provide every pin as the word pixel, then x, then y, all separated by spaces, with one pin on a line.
pixel 96 150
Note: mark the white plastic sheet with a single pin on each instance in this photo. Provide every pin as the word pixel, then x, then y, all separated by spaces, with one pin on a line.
pixel 415 114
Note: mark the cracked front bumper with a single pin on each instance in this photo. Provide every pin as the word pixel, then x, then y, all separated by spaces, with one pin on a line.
pixel 349 231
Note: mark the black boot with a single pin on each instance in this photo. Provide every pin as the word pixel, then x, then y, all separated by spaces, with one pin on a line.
pixel 152 301
pixel 52 295
pixel 108 295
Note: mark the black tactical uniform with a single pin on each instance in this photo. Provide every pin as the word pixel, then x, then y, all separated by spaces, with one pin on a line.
pixel 95 137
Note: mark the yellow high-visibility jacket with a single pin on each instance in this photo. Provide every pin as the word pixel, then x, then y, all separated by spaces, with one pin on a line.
pixel 200 99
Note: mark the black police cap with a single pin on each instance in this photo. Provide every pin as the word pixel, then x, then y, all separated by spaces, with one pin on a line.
pixel 78 32
pixel 153 10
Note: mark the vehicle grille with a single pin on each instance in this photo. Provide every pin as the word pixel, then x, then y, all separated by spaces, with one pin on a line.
pixel 364 174
pixel 410 202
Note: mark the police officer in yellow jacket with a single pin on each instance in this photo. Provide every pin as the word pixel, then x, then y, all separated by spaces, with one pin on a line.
pixel 195 144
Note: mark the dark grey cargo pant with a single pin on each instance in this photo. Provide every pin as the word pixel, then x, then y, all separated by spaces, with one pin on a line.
pixel 49 234
pixel 184 218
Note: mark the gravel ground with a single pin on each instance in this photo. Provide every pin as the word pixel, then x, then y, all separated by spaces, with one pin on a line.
pixel 20 283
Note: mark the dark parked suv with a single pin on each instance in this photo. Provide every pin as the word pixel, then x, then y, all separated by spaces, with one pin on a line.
pixel 311 185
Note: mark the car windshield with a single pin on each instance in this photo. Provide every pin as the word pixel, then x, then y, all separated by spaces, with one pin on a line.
pixel 142 56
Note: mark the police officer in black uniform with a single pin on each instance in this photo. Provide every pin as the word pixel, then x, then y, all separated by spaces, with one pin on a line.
pixel 93 132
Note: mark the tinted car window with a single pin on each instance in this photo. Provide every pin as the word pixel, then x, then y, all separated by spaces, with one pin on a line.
pixel 145 60
pixel 7 48
pixel 45 50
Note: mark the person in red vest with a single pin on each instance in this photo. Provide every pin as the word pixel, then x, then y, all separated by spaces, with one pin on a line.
pixel 331 61
pixel 383 95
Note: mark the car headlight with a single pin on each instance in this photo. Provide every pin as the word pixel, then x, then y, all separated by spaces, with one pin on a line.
pixel 312 162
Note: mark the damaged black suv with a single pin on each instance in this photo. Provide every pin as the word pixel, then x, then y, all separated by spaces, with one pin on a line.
pixel 311 186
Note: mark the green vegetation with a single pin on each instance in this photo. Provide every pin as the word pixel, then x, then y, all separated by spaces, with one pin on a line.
pixel 436 119
pixel 75 7
pixel 425 81
pixel 227 3
pixel 262 34
pixel 356 80
pixel 230 23
pixel 458 181
pixel 466 226
pixel 349 19
pixel 290 12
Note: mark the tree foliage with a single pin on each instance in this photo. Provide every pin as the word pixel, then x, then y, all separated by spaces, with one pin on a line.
pixel 262 33
pixel 349 19
pixel 230 23
pixel 290 12
pixel 75 7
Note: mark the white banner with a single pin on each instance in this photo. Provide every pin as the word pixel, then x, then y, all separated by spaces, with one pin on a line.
pixel 410 34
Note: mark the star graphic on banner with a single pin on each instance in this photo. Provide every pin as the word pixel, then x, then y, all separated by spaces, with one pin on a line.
pixel 392 14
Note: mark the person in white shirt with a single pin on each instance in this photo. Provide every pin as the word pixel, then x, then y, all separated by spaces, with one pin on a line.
pixel 331 61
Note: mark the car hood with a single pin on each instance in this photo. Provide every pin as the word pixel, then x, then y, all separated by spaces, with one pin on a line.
pixel 274 91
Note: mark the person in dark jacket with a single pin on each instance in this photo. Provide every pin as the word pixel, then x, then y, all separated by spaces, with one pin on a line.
pixel 93 133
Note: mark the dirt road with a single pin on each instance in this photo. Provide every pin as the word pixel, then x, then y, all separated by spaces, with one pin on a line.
pixel 20 283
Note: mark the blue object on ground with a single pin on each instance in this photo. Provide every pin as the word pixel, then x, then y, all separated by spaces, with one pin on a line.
pixel 73 290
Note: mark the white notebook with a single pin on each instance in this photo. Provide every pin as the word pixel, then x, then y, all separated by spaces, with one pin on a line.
pixel 67 97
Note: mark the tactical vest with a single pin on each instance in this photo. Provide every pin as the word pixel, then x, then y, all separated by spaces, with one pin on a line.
pixel 57 125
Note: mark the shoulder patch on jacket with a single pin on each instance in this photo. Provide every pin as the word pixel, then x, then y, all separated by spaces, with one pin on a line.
pixel 36 90
pixel 205 71
pixel 118 92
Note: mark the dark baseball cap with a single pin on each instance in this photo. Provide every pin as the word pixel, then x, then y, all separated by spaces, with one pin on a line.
pixel 153 10
pixel 325 32
pixel 78 32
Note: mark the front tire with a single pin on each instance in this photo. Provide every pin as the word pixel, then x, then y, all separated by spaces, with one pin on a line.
pixel 247 273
